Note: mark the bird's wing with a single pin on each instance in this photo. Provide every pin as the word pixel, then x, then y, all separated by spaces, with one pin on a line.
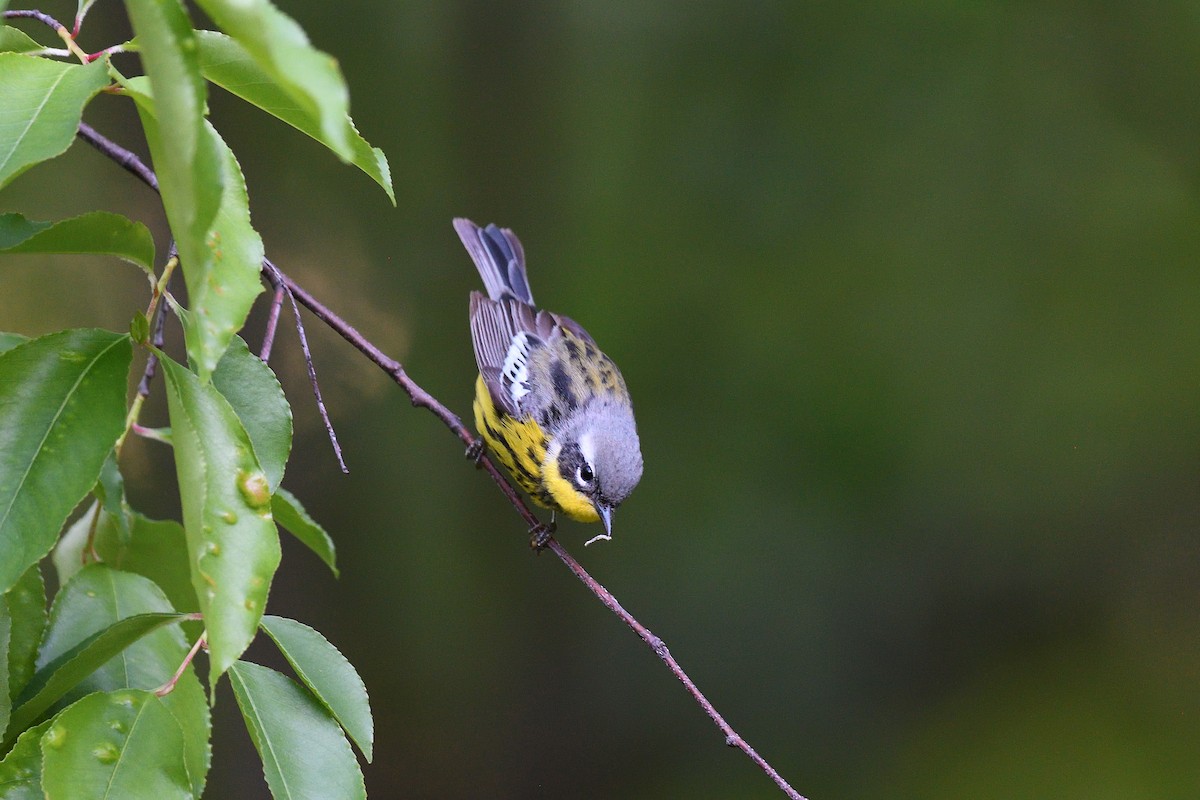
pixel 507 335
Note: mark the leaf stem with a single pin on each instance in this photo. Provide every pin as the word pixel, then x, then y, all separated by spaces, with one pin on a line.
pixel 169 686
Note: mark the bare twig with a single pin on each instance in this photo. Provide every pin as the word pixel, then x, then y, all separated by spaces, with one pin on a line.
pixel 312 378
pixel 272 317
pixel 422 399
pixel 115 152
pixel 42 17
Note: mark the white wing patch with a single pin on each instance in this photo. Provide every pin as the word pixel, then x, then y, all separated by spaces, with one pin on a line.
pixel 515 372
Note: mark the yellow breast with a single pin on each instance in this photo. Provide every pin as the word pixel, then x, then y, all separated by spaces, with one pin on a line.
pixel 520 447
pixel 518 444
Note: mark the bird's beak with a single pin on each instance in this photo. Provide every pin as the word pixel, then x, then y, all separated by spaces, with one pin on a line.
pixel 605 513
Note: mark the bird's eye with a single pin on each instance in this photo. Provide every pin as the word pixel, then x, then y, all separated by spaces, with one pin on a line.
pixel 584 475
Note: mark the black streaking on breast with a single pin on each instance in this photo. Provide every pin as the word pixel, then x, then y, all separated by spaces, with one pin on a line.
pixel 562 385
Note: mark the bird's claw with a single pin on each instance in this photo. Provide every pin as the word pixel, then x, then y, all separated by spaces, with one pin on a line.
pixel 540 535
pixel 475 452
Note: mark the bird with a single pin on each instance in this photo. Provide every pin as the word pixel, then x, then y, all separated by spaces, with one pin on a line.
pixel 549 404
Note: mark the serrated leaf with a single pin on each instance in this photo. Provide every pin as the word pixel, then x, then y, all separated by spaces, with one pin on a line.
pixel 97 233
pixel 155 549
pixel 62 408
pixel 43 103
pixel 257 398
pixel 99 596
pixel 222 268
pixel 26 605
pixel 227 64
pixel 304 753
pixel 10 340
pixel 110 745
pixel 328 675
pixel 21 769
pixel 281 49
pixel 58 677
pixel 15 41
pixel 233 546
pixel 292 517
pixel 188 165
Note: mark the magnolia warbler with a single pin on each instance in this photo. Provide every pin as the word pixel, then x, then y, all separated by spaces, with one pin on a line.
pixel 552 408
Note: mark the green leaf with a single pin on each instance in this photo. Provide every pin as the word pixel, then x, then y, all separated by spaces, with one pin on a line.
pixel 58 677
pixel 99 596
pixel 222 268
pixel 186 161
pixel 303 751
pixel 227 64
pixel 15 41
pixel 281 48
pixel 327 673
pixel 232 542
pixel 221 294
pixel 26 607
pixel 10 340
pixel 257 398
pixel 62 408
pixel 21 769
pixel 43 103
pixel 97 232
pixel 110 745
pixel 110 489
pixel 155 549
pixel 290 514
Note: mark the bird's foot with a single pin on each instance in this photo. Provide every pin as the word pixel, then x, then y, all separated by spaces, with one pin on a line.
pixel 540 535
pixel 475 452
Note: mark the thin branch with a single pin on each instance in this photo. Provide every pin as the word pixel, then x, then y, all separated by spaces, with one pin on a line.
pixel 732 739
pixel 316 387
pixel 130 161
pixel 156 337
pixel 115 152
pixel 42 17
pixel 272 317
pixel 422 399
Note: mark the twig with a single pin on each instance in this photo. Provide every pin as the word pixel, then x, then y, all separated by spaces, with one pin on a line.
pixel 316 387
pixel 138 168
pixel 272 317
pixel 42 17
pixel 422 399
pixel 156 337
pixel 60 29
pixel 115 152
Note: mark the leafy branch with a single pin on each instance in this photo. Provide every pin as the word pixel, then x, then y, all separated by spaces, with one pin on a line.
pixel 230 433
pixel 423 399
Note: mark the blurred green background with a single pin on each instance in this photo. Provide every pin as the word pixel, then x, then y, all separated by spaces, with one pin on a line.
pixel 907 296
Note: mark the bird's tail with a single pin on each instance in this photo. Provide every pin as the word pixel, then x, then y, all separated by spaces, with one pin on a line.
pixel 499 257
